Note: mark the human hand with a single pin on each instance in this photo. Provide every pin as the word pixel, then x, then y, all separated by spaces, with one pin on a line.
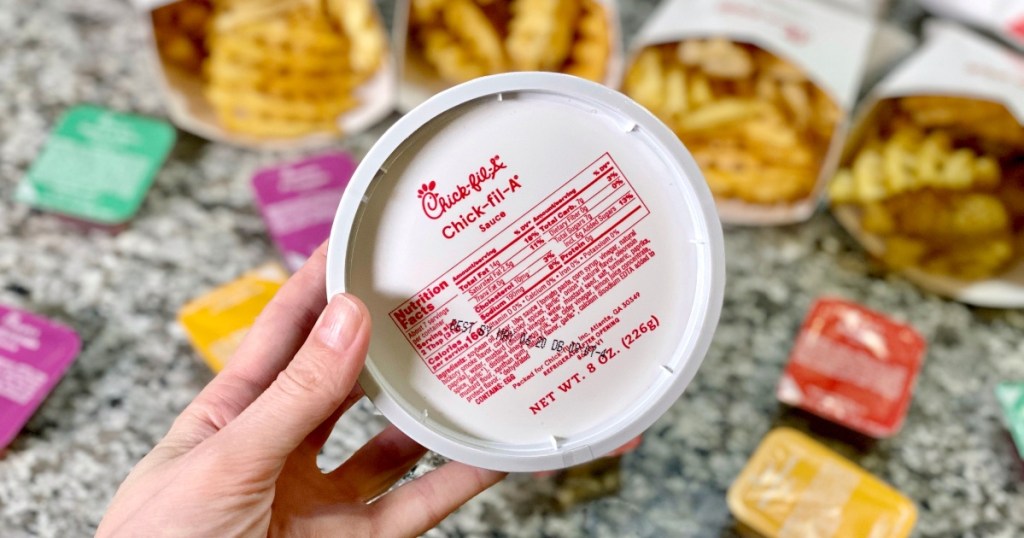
pixel 240 460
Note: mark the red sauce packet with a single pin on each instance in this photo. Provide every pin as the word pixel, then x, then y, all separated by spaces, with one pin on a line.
pixel 853 366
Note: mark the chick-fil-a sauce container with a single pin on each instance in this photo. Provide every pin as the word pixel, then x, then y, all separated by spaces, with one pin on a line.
pixel 544 268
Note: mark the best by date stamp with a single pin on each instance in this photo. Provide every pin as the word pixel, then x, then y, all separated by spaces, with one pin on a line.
pixel 580 350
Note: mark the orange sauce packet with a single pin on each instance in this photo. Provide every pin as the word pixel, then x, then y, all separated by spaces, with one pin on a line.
pixel 217 322
pixel 795 487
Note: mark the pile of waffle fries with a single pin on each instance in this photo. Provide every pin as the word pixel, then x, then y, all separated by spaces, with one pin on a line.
pixel 274 68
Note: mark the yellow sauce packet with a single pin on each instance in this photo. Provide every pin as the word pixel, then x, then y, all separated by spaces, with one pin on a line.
pixel 217 322
pixel 795 487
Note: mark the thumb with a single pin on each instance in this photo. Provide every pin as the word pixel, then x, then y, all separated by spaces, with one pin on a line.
pixel 310 388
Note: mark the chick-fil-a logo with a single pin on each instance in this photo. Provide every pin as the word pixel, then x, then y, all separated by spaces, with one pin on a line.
pixel 435 204
pixel 1017 30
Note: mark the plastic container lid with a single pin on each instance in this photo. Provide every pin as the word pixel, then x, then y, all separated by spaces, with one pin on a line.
pixel 544 268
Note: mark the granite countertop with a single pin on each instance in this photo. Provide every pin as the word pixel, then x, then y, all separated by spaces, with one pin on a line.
pixel 199 228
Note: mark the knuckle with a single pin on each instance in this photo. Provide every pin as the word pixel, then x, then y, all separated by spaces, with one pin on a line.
pixel 427 501
pixel 304 376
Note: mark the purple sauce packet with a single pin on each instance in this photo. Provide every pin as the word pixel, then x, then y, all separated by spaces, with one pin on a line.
pixel 34 354
pixel 298 201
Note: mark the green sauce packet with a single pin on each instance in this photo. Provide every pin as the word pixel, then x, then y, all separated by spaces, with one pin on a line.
pixel 1011 398
pixel 97 165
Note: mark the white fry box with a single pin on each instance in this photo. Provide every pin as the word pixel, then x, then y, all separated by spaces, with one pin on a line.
pixel 543 264
pixel 417 80
pixel 871 8
pixel 188 108
pixel 957 62
pixel 1004 18
pixel 830 45
pixel 890 46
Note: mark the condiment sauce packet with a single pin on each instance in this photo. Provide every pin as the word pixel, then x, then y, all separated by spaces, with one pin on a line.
pixel 298 201
pixel 217 322
pixel 97 165
pixel 1011 398
pixel 34 354
pixel 795 487
pixel 830 45
pixel 853 366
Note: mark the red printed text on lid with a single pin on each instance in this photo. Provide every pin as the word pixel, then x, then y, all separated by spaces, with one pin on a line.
pixel 509 300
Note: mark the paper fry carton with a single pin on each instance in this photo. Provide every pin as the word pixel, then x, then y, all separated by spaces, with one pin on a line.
pixel 941 137
pixel 271 75
pixel 759 91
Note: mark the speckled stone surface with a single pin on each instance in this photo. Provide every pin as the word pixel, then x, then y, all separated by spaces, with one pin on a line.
pixel 199 228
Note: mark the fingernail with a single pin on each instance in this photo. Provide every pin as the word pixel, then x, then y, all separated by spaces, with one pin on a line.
pixel 338 322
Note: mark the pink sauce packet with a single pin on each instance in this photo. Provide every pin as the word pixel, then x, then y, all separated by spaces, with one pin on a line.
pixel 298 201
pixel 34 354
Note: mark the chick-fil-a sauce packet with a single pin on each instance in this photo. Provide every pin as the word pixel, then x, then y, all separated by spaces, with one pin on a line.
pixel 793 486
pixel 298 201
pixel 1011 399
pixel 853 366
pixel 97 165
pixel 217 321
pixel 34 354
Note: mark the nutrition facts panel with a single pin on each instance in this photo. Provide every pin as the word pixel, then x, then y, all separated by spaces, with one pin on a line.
pixel 19 382
pixel 528 281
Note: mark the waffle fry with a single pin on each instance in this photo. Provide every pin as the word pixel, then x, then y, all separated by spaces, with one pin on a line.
pixel 464 39
pixel 452 60
pixel 591 49
pixel 249 49
pixel 234 14
pixel 756 125
pixel 359 24
pixel 941 194
pixel 541 33
pixel 275 68
pixel 275 126
pixel 233 76
pixel 247 57
pixel 471 27
pixel 260 104
pixel 427 11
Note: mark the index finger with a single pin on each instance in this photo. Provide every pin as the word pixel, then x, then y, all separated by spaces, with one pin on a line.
pixel 283 325
pixel 416 507
pixel 275 337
